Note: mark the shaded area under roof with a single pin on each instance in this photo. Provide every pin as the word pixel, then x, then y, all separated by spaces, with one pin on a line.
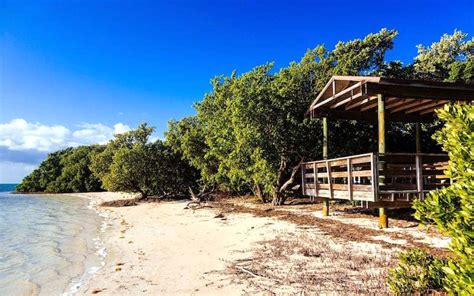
pixel 355 97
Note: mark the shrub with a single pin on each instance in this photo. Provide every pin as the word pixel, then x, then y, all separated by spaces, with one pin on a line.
pixel 451 208
pixel 417 272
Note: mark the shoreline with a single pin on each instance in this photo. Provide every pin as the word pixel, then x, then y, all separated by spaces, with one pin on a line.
pixel 100 250
pixel 48 243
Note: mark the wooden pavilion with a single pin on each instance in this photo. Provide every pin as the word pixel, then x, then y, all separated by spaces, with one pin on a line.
pixel 383 180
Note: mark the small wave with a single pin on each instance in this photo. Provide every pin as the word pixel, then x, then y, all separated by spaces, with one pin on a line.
pixel 100 251
pixel 49 241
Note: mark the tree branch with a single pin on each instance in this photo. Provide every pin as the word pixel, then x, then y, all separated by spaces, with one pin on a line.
pixel 292 177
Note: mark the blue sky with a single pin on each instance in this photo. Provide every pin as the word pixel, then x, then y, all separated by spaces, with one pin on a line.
pixel 99 67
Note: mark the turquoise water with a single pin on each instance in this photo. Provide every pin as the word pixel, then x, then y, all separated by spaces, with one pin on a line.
pixel 49 245
pixel 7 187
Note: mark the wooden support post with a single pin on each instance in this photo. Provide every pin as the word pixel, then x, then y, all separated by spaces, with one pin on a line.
pixel 419 176
pixel 418 137
pixel 418 164
pixel 325 138
pixel 383 218
pixel 325 207
pixel 381 133
pixel 381 140
pixel 325 156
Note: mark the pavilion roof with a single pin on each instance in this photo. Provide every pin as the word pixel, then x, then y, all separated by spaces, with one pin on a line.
pixel 355 97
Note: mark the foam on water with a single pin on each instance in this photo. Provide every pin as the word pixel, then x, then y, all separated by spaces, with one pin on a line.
pixel 48 244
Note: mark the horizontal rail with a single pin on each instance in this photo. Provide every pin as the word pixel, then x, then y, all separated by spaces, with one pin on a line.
pixel 339 158
pixel 402 176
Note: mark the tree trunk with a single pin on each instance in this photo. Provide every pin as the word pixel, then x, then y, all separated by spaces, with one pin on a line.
pixel 259 193
pixel 142 196
pixel 279 197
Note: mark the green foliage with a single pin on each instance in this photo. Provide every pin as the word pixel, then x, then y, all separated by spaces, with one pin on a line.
pixel 250 131
pixel 361 56
pixel 76 175
pixel 130 163
pixel 462 71
pixel 417 272
pixel 448 59
pixel 451 209
pixel 186 137
pixel 64 171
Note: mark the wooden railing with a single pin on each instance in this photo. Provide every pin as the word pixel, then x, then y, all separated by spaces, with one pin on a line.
pixel 404 176
pixel 400 176
pixel 341 178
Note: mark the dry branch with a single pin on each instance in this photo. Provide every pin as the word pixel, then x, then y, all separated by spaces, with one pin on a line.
pixel 256 275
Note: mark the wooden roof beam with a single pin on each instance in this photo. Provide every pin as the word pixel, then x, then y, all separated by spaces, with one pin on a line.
pixel 397 102
pixel 408 106
pixel 353 95
pixel 370 105
pixel 335 95
pixel 432 109
pixel 360 102
pixel 322 93
pixel 372 116
pixel 427 106
pixel 347 100
pixel 421 89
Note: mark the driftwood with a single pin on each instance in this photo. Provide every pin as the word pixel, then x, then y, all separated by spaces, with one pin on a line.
pixel 201 196
pixel 199 201
pixel 256 275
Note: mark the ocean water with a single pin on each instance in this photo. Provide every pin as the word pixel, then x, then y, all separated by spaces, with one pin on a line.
pixel 49 245
pixel 6 187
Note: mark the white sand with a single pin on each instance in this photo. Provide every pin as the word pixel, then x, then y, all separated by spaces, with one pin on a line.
pixel 164 249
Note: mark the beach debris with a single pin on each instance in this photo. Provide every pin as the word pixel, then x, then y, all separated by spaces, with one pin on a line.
pixel 247 271
pixel 119 203
pixel 200 200
pixel 97 290
pixel 220 215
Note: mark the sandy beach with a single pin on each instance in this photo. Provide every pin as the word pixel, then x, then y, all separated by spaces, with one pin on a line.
pixel 164 249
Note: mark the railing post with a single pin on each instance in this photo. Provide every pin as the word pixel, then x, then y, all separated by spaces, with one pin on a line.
pixel 419 175
pixel 375 175
pixel 349 178
pixel 315 168
pixel 303 178
pixel 328 169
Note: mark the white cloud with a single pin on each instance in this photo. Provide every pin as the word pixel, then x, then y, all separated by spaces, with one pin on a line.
pixel 121 128
pixel 23 143
pixel 19 134
pixel 92 133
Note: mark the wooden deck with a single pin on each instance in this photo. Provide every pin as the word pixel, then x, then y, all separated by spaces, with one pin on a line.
pixel 399 176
